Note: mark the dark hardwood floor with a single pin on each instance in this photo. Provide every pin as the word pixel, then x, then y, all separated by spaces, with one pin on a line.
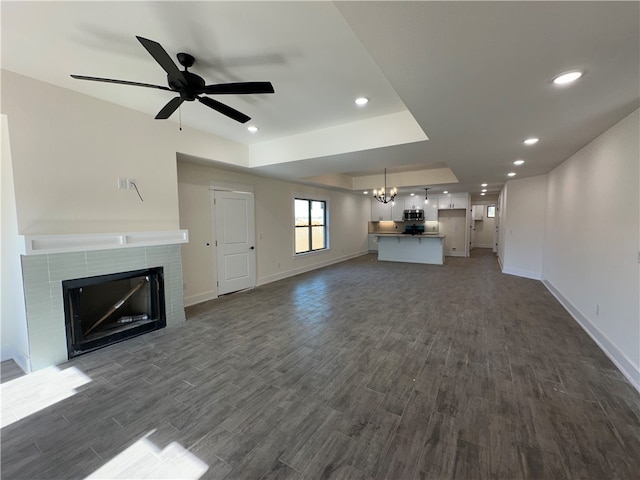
pixel 361 370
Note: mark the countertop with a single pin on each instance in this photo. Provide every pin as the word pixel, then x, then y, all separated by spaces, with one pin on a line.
pixel 420 235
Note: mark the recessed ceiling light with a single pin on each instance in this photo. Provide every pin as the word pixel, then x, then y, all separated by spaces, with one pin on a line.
pixel 361 101
pixel 252 128
pixel 511 174
pixel 365 193
pixel 566 78
pixel 484 190
pixel 483 193
pixel 412 194
pixel 531 141
pixel 446 191
pixel 518 162
pixel 483 185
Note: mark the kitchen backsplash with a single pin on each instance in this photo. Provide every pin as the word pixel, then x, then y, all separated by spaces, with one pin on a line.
pixel 398 227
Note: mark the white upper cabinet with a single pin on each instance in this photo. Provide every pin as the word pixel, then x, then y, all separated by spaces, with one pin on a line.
pixel 397 210
pixel 460 200
pixel 477 212
pixel 413 203
pixel 431 210
pixel 380 211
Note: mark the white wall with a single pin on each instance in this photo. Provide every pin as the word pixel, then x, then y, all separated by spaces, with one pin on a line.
pixel 13 320
pixel 348 215
pixel 592 241
pixel 69 149
pixel 522 226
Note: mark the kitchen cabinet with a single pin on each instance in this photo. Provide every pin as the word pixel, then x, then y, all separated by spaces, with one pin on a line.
pixel 477 212
pixel 411 249
pixel 417 203
pixel 413 203
pixel 447 202
pixel 430 210
pixel 380 211
pixel 397 210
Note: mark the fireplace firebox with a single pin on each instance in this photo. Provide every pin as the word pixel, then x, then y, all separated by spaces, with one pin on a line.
pixel 107 309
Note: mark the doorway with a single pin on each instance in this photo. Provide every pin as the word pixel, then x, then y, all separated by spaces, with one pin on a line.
pixel 234 234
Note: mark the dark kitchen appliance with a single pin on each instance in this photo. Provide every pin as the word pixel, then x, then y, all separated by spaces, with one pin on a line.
pixel 414 230
pixel 413 215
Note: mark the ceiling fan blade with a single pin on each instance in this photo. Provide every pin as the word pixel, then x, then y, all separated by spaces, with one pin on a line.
pixel 169 108
pixel 224 109
pixel 241 87
pixel 122 82
pixel 161 56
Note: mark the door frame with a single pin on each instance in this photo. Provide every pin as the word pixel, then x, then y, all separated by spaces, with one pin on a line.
pixel 226 187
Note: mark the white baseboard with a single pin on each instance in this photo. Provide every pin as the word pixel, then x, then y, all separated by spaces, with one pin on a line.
pixel 199 298
pixel 451 253
pixel 483 245
pixel 628 369
pixel 308 268
pixel 521 273
pixel 206 296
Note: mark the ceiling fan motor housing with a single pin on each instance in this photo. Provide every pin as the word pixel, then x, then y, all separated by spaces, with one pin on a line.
pixel 195 84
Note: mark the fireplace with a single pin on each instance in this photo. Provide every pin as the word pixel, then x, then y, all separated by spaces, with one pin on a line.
pixel 106 309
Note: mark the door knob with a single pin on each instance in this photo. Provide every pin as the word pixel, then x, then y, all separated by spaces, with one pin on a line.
pixel 252 248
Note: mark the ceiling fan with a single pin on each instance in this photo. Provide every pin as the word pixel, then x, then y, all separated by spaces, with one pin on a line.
pixel 189 85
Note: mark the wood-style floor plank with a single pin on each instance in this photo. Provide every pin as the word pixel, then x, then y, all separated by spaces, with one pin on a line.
pixel 437 372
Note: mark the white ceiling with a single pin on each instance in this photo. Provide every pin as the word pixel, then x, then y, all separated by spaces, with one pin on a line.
pixel 475 76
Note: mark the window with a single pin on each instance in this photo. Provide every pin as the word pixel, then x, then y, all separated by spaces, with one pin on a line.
pixel 491 211
pixel 310 225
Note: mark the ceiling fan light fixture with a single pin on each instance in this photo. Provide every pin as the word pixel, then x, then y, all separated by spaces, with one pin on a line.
pixel 361 101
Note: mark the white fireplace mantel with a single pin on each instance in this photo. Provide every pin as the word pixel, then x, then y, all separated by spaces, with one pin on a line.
pixel 45 244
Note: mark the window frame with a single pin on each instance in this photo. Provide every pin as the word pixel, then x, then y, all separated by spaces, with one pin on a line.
pixel 310 226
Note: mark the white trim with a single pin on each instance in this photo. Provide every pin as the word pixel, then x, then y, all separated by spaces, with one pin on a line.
pixel 483 245
pixel 308 268
pixel 44 244
pixel 451 253
pixel 620 360
pixel 521 273
pixel 231 187
pixel 200 298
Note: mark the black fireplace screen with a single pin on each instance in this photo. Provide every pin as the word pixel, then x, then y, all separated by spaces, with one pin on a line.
pixel 107 309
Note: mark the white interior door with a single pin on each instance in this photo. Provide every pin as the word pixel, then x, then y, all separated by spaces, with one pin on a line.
pixel 235 240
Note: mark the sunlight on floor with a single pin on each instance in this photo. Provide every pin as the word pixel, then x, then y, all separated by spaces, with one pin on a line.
pixel 31 393
pixel 143 459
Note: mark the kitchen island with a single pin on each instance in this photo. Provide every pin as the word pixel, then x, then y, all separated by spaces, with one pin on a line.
pixel 399 247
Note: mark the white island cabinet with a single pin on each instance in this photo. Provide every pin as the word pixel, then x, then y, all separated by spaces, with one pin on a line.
pixel 411 248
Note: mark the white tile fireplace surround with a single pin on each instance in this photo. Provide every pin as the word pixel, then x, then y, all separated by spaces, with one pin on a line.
pixel 43 274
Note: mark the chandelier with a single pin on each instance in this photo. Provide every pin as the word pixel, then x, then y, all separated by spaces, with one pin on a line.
pixel 381 195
